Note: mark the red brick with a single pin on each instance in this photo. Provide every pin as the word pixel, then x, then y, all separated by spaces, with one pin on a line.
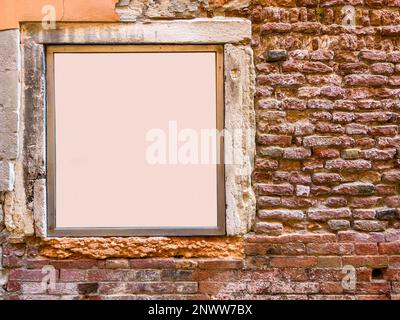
pixel 394 261
pixel 326 153
pixel 278 140
pixel 274 189
pixel 366 261
pixel 330 248
pixel 364 249
pixel 26 275
pixel 274 249
pixel 391 248
pixel 69 275
pixel 365 80
pixel 316 67
pixel 354 236
pixel 106 275
pixel 290 261
pixel 329 262
pixel 162 287
pixel 323 214
pixel 392 274
pixel 372 288
pixel 221 264
pixel 61 264
pixel 152 263
pixel 331 287
pixel 287 238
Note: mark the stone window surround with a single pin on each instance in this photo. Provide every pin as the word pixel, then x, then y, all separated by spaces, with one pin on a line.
pixel 233 33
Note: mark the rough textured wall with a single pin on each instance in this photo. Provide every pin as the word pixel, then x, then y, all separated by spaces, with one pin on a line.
pixel 327 168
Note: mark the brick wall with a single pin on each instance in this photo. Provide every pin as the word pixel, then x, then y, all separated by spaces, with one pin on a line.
pixel 326 170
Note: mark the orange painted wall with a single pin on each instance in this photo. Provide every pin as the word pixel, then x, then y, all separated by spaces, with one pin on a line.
pixel 12 12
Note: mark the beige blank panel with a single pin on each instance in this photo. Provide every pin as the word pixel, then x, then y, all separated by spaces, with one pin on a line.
pixel 104 106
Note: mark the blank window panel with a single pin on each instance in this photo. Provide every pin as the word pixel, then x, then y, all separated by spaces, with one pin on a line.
pixel 114 113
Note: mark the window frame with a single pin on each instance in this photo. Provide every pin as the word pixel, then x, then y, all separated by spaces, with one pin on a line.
pixel 52 230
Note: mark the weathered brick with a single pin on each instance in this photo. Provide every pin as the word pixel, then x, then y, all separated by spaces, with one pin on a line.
pixel 336 202
pixel 387 214
pixel 348 164
pixel 293 238
pixel 387 130
pixel 275 27
pixel 322 55
pixel 374 116
pixel 266 164
pixel 326 127
pixel 274 189
pixel 26 275
pixel 329 262
pixel 351 154
pixel 327 153
pixel 144 275
pixel 326 178
pixel 273 152
pixel 392 176
pixel 289 261
pixel 265 201
pixel 318 141
pixel 336 225
pixel 275 55
pixel 320 104
pixel 106 275
pixel 343 117
pixel 369 225
pixel 354 236
pixel 316 67
pixel 221 264
pixel 296 153
pixel 393 201
pixel 364 202
pixel 70 275
pixel 392 248
pixel 365 80
pixel 377 154
pixel 355 188
pixel 353 67
pixel 117 264
pixel 279 140
pixel 365 249
pixel 283 80
pixel 330 249
pixel 323 214
pixel 270 228
pixel 356 129
pixel 382 68
pixel 372 55
pixel 366 261
pixel 283 215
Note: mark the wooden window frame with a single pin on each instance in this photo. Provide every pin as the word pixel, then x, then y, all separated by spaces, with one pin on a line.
pixel 53 231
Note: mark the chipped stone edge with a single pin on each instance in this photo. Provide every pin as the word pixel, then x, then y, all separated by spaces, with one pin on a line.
pixel 40 207
pixel 240 122
pixel 191 31
pixel 235 34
